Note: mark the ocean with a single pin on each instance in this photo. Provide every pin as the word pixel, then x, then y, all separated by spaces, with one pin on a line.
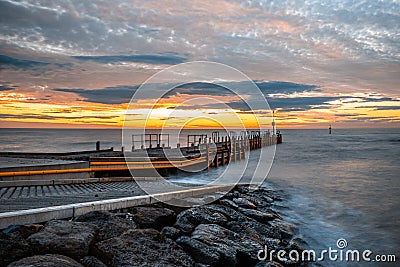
pixel 340 186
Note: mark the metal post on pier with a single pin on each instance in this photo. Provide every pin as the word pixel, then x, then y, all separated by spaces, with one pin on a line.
pixel 229 147
pixel 234 148
pixel 98 145
pixel 208 155
pixel 240 148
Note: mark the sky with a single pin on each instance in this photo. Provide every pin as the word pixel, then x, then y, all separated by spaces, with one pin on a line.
pixel 78 63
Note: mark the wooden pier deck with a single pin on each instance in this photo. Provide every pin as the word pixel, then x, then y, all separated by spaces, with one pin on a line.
pixel 40 194
pixel 206 153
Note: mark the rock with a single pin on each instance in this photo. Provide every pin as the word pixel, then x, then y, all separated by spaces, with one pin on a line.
pixel 268 264
pixel 232 195
pixel 257 215
pixel 270 211
pixel 149 217
pixel 230 213
pixel 268 199
pixel 184 224
pixel 244 203
pixel 23 230
pixel 259 196
pixel 253 230
pixel 49 260
pixel 71 239
pixel 188 219
pixel 171 232
pixel 109 225
pixel 243 189
pixel 284 229
pixel 217 238
pixel 245 231
pixel 257 201
pixel 141 247
pixel 90 261
pixel 13 247
pixel 229 203
pixel 233 249
pixel 199 251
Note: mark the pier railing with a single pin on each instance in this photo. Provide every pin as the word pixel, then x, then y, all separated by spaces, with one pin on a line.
pixel 207 152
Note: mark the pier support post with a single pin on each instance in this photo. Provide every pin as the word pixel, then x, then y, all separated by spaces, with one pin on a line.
pixel 234 144
pixel 98 145
pixel 240 148
pixel 208 156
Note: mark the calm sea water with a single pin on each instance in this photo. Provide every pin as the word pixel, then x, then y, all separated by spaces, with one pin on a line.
pixel 344 185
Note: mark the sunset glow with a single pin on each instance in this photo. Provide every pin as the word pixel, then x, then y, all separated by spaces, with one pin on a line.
pixel 315 64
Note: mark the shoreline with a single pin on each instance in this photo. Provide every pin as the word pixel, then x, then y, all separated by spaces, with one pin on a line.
pixel 228 232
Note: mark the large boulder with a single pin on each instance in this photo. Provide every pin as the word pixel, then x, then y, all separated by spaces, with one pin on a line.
pixel 257 215
pixel 268 264
pixel 199 251
pixel 187 220
pixel 23 230
pixel 275 229
pixel 150 217
pixel 229 203
pixel 109 225
pixel 234 250
pixel 68 238
pixel 90 261
pixel 284 230
pixel 13 247
pixel 141 247
pixel 49 260
pixel 171 232
pixel 230 213
pixel 244 203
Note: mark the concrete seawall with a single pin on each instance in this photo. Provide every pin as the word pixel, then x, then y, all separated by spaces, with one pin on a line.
pixel 72 210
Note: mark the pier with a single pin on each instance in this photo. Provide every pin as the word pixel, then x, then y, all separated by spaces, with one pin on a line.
pixel 56 185
pixel 102 165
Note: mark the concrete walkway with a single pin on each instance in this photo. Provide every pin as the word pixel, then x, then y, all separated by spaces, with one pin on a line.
pixel 34 205
pixel 31 197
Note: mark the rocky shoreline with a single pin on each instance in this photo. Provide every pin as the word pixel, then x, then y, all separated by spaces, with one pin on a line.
pixel 231 231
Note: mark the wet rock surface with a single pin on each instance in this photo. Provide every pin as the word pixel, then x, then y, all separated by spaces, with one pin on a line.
pixel 152 217
pixel 228 232
pixel 141 247
pixel 13 247
pixel 72 239
pixel 109 225
pixel 49 260
pixel 91 261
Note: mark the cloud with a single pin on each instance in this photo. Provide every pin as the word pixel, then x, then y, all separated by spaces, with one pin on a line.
pixel 10 62
pixel 300 103
pixel 167 58
pixel 6 86
pixel 123 93
pixel 280 87
pixel 7 62
pixel 377 107
pixel 51 117
pixel 107 95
